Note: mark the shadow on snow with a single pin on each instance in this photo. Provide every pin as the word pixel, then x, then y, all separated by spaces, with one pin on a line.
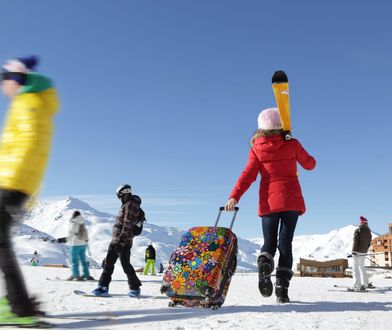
pixel 114 318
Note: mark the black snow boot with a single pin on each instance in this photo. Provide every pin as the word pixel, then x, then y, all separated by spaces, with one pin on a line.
pixel 265 265
pixel 283 277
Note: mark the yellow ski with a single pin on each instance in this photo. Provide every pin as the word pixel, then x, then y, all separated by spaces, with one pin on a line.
pixel 280 86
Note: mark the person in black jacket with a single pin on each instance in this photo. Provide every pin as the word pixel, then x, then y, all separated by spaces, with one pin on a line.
pixel 150 260
pixel 128 218
pixel 361 243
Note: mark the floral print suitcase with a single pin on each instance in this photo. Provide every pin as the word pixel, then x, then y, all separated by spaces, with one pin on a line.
pixel 201 267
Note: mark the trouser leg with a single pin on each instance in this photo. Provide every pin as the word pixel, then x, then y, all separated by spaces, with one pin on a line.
pixel 362 270
pixel 152 267
pixel 75 261
pixel 288 222
pixel 270 224
pixel 83 260
pixel 356 271
pixel 110 260
pixel 11 203
pixel 125 256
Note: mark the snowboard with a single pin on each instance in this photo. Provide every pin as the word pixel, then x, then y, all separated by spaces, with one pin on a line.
pixel 112 295
pixel 280 86
pixel 115 295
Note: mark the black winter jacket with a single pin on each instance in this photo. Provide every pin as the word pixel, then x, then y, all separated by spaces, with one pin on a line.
pixel 130 213
pixel 150 253
pixel 362 238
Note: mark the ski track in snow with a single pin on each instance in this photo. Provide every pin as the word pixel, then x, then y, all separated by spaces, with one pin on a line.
pixel 313 305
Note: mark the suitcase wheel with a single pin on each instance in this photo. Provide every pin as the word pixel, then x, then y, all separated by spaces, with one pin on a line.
pixel 172 304
pixel 215 307
pixel 163 288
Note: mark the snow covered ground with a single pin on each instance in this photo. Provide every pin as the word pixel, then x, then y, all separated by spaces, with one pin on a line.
pixel 316 304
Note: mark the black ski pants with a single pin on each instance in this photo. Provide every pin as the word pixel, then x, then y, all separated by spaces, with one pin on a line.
pixel 283 223
pixel 123 252
pixel 11 204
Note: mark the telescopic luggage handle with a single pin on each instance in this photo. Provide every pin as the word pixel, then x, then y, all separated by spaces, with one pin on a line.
pixel 221 209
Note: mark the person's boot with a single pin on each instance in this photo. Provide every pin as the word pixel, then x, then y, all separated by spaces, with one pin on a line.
pixel 31 320
pixel 265 265
pixel 283 277
pixel 101 291
pixel 134 293
pixel 88 278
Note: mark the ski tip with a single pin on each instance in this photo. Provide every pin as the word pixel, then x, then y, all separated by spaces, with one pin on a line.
pixel 279 77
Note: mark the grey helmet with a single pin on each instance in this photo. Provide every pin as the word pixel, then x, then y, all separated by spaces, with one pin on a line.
pixel 123 190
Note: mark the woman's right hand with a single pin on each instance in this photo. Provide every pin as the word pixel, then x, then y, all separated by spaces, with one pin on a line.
pixel 230 205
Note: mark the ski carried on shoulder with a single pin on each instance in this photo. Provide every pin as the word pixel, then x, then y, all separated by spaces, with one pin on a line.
pixel 280 86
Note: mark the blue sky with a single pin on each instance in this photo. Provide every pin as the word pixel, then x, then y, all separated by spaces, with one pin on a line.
pixel 164 95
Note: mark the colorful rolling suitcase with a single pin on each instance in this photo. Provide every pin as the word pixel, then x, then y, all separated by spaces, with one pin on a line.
pixel 201 268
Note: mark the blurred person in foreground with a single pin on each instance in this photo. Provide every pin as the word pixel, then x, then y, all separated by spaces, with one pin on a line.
pixel 24 152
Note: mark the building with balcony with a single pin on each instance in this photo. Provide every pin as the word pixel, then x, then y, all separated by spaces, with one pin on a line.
pixel 381 246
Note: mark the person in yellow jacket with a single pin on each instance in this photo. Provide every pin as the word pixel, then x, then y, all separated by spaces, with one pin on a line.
pixel 24 151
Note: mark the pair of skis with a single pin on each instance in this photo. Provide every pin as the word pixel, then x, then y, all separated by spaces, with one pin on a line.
pixel 351 289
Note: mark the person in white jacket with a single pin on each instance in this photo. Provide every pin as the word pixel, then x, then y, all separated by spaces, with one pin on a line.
pixel 78 241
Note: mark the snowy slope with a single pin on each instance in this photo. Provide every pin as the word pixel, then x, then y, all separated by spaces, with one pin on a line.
pixel 53 218
pixel 28 239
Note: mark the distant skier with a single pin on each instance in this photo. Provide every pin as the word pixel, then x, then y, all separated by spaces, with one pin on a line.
pixel 35 259
pixel 78 240
pixel 24 152
pixel 125 224
pixel 280 200
pixel 150 257
pixel 161 269
pixel 361 244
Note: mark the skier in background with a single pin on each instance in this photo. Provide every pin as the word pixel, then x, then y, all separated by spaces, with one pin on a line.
pixel 35 259
pixel 120 247
pixel 361 244
pixel 150 257
pixel 24 152
pixel 78 240
pixel 280 198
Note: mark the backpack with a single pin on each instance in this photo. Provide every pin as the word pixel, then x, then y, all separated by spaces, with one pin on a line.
pixel 82 233
pixel 138 227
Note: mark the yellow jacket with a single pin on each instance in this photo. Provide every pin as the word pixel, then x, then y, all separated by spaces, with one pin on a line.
pixel 25 143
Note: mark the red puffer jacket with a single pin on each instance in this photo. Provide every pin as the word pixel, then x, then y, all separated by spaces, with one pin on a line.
pixel 276 160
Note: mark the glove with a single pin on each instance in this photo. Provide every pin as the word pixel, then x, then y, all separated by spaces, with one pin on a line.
pixel 62 240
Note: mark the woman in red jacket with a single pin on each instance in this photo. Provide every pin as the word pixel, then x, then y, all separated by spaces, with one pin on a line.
pixel 280 198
